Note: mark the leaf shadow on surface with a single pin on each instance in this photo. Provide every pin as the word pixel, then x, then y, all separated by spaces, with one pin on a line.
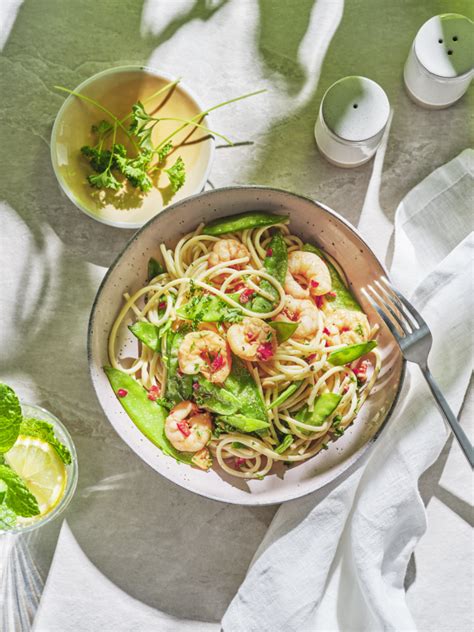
pixel 165 541
pixel 135 553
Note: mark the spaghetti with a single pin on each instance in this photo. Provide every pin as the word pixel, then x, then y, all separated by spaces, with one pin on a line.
pixel 283 340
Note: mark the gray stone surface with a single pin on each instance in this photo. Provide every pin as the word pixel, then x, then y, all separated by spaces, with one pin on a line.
pixel 161 544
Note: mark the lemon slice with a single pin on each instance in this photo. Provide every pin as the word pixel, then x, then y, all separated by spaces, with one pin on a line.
pixel 41 469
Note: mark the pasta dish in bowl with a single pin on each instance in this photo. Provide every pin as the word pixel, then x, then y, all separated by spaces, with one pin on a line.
pixel 243 355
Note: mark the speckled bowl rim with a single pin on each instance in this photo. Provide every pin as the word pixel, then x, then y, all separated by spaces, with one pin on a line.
pixel 157 73
pixel 352 463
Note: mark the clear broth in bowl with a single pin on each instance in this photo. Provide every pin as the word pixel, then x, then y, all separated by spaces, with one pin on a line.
pixel 118 91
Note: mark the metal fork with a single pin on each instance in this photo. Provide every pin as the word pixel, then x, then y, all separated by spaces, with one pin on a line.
pixel 414 337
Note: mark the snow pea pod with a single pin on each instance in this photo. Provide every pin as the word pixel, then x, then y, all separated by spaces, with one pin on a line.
pixel 242 385
pixel 351 352
pixel 243 221
pixel 244 423
pixel 284 395
pixel 178 387
pixel 284 330
pixel 344 298
pixel 148 416
pixel 215 397
pixel 276 264
pixel 324 405
pixel 148 334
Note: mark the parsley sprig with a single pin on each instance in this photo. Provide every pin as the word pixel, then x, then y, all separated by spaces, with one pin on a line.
pixel 110 159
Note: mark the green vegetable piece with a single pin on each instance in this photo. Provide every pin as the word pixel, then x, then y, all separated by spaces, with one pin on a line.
pixel 154 268
pixel 18 497
pixel 238 446
pixel 351 352
pixel 148 416
pixel 215 398
pixel 284 395
pixel 10 417
pixel 242 385
pixel 43 430
pixel 324 406
pixel 276 264
pixel 178 387
pixel 285 444
pixel 244 423
pixel 284 330
pixel 276 261
pixel 147 333
pixel 242 221
pixel 344 297
pixel 3 491
pixel 176 174
pixel 209 308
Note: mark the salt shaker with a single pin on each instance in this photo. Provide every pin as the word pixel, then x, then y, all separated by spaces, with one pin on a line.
pixel 352 118
pixel 439 67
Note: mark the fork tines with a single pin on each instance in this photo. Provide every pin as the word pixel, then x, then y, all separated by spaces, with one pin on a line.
pixel 398 314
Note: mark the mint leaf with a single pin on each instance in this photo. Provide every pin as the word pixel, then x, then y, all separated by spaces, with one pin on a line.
pixel 43 430
pixel 18 498
pixel 7 518
pixel 10 417
pixel 3 491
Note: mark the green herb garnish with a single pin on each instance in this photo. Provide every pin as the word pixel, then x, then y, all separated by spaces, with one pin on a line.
pixel 43 430
pixel 10 417
pixel 17 496
pixel 109 159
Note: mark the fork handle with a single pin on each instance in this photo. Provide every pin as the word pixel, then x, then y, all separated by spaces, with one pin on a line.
pixel 450 417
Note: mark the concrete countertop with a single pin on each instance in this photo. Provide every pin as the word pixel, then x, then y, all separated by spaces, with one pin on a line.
pixel 139 529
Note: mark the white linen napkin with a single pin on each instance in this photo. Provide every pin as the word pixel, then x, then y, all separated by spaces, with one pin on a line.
pixel 336 560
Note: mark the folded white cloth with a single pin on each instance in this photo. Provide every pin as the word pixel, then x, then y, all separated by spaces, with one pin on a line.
pixel 336 560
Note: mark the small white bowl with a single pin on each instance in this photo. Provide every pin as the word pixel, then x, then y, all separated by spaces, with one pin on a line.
pixel 118 89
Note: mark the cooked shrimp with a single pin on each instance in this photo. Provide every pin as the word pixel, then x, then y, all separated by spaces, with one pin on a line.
pixel 187 429
pixel 227 250
pixel 205 352
pixel 310 270
pixel 346 327
pixel 252 339
pixel 302 311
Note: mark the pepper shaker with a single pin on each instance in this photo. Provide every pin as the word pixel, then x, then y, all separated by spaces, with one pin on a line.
pixel 439 67
pixel 352 118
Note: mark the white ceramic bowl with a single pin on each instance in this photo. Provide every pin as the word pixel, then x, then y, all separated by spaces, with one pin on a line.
pixel 118 89
pixel 313 222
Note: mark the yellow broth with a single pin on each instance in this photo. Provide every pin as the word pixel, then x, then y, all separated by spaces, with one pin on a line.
pixel 118 91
